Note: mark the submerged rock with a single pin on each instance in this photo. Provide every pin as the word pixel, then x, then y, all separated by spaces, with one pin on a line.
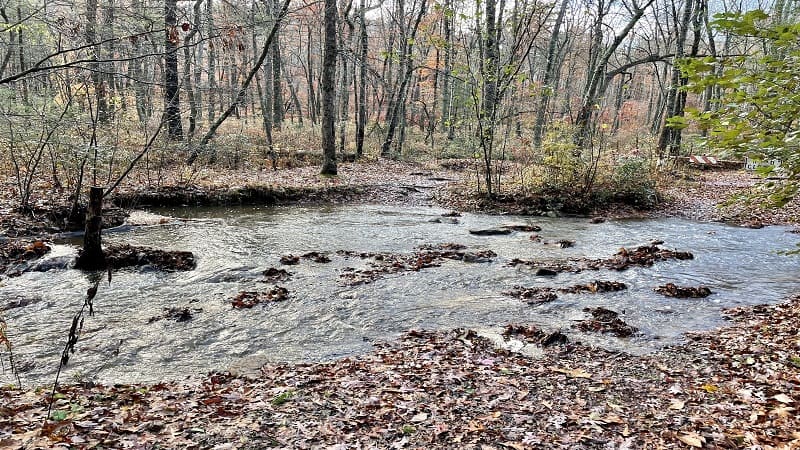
pixel 274 274
pixel 535 335
pixel 533 295
pixel 644 256
pixel 672 290
pixel 249 299
pixel 121 256
pixel 605 321
pixel 178 314
pixel 290 259
pixel 491 232
pixel 17 257
pixel 317 257
pixel 525 228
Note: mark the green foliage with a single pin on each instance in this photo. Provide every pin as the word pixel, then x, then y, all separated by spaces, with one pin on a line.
pixel 632 183
pixel 561 159
pixel 282 398
pixel 757 115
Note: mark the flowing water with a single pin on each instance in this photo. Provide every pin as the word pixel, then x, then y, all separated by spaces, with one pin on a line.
pixel 325 319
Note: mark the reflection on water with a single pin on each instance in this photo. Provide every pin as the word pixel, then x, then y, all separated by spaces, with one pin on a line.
pixel 325 319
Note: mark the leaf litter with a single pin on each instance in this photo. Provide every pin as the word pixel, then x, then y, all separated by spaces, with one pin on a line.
pixel 731 388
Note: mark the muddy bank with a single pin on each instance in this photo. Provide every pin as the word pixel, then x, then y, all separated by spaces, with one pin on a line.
pixel 250 195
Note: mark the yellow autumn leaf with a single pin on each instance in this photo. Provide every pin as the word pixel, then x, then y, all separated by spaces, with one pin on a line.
pixel 710 388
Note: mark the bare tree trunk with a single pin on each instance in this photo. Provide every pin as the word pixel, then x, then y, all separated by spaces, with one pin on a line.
pixel 345 39
pixel 398 105
pixel 190 58
pixel 92 257
pixel 548 88
pixel 597 81
pixel 295 99
pixel 669 137
pixel 313 107
pixel 97 80
pixel 361 113
pixel 171 94
pixel 277 92
pixel 488 108
pixel 329 91
pixel 212 62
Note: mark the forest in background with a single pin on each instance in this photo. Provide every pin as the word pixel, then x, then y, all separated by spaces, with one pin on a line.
pixel 572 91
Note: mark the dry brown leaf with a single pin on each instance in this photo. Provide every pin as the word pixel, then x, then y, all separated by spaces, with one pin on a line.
pixel 421 417
pixel 613 418
pixel 572 373
pixel 781 412
pixel 692 440
pixel 676 404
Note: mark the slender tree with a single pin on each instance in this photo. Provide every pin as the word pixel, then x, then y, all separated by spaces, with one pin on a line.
pixel 329 91
pixel 171 91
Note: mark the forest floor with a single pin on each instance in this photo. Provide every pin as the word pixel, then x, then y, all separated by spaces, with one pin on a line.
pixel 735 387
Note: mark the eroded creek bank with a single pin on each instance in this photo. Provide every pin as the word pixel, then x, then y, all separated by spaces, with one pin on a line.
pixel 321 283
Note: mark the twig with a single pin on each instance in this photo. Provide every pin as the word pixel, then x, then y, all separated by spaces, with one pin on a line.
pixel 72 339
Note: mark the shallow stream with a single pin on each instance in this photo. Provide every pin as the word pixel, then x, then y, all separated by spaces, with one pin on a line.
pixel 323 318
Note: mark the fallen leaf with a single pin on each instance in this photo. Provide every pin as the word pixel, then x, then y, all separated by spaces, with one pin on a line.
pixel 783 398
pixel 421 417
pixel 692 440
pixel 710 388
pixel 781 412
pixel 573 373
pixel 614 406
pixel 676 404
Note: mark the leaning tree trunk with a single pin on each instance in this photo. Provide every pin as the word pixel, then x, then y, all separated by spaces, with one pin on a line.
pixel 329 91
pixel 92 257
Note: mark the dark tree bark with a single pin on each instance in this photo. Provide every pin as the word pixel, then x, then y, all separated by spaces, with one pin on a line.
pixel 361 112
pixel 92 257
pixel 669 139
pixel 212 62
pixel 277 64
pixel 171 93
pixel 328 91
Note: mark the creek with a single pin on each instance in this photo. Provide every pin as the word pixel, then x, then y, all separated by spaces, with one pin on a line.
pixel 325 318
